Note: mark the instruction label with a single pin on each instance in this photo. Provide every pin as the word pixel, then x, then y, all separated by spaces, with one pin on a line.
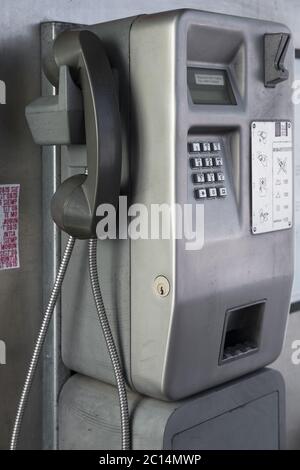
pixel 272 176
pixel 9 226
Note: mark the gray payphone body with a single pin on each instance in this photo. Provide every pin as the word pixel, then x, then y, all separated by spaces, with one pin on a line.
pixel 193 89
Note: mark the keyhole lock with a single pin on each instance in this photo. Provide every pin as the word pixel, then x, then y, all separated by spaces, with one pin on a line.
pixel 161 286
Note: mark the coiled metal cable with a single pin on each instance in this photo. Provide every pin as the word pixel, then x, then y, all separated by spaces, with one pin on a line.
pixel 113 353
pixel 40 342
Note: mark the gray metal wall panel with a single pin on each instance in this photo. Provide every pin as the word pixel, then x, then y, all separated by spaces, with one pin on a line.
pixel 291 374
pixel 296 287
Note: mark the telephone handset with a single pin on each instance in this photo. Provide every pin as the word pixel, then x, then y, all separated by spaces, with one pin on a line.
pixel 75 202
pixel 82 62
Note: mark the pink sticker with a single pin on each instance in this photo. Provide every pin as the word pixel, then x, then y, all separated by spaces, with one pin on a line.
pixel 9 226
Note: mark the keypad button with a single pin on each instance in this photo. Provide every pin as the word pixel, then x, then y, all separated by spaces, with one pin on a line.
pixel 206 146
pixel 208 162
pixel 196 162
pixel 212 192
pixel 218 161
pixel 209 177
pixel 200 193
pixel 220 176
pixel 216 146
pixel 222 192
pixel 194 147
pixel 198 178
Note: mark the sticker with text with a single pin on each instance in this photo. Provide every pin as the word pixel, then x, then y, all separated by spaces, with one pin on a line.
pixel 9 226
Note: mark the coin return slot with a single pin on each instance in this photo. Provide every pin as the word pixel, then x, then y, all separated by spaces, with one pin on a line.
pixel 242 330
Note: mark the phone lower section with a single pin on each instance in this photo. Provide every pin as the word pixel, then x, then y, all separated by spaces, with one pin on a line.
pixel 247 414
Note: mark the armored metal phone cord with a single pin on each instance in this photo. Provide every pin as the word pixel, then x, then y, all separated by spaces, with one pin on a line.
pixel 125 428
pixel 40 342
pixel 113 353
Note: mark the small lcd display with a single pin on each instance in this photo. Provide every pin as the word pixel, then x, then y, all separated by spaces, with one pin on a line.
pixel 210 86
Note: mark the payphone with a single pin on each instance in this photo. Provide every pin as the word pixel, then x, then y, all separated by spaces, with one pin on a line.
pixel 193 85
pixel 206 119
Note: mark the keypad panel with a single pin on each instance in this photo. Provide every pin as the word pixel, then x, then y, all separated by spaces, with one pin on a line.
pixel 207 172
